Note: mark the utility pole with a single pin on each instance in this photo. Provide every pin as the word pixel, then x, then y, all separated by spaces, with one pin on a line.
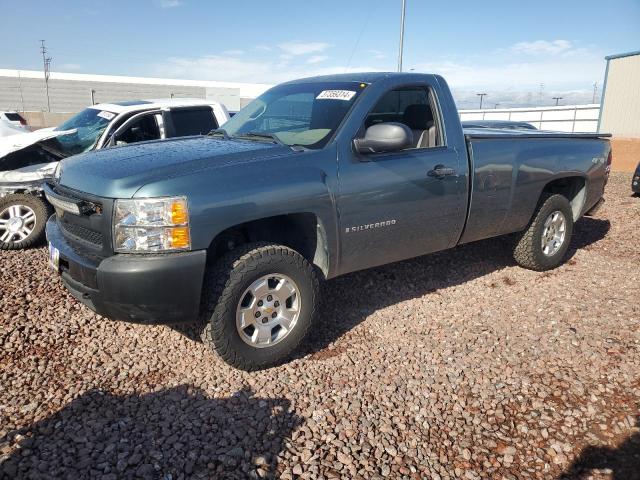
pixel 495 105
pixel 46 64
pixel 557 99
pixel 404 5
pixel 595 92
pixel 481 95
pixel 20 87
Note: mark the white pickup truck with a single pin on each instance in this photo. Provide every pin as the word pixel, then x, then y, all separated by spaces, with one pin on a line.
pixel 27 159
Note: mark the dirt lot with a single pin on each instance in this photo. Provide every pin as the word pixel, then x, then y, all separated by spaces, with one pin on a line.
pixel 454 365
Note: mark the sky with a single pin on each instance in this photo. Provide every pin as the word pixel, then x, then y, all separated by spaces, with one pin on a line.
pixel 519 53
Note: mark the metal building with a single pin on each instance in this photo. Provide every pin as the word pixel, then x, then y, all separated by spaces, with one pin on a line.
pixel 620 112
pixel 24 90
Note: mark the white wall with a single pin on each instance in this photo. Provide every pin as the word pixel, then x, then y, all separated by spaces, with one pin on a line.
pixel 69 92
pixel 573 118
pixel 621 97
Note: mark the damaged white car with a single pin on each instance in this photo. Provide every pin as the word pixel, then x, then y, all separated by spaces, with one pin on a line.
pixel 27 159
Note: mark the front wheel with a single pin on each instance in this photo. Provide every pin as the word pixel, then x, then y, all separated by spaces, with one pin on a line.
pixel 22 221
pixel 545 242
pixel 260 301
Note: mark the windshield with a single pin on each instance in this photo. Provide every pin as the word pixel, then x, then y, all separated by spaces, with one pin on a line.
pixel 88 125
pixel 304 114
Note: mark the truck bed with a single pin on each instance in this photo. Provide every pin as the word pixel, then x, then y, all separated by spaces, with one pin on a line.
pixel 508 169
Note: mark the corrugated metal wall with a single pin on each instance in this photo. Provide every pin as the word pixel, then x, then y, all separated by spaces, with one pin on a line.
pixel 621 102
pixel 28 94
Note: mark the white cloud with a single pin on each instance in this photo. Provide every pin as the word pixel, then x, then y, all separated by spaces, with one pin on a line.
pixel 542 47
pixel 512 76
pixel 263 48
pixel 233 53
pixel 169 3
pixel 317 58
pixel 300 48
pixel 509 76
pixel 234 69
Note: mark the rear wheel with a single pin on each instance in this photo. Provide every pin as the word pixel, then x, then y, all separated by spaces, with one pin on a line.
pixel 545 242
pixel 260 303
pixel 22 221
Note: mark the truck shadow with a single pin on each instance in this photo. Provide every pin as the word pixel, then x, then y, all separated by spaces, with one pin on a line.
pixel 348 300
pixel 173 433
pixel 622 462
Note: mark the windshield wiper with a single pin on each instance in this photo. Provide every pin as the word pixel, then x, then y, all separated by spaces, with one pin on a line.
pixel 296 147
pixel 219 132
pixel 258 136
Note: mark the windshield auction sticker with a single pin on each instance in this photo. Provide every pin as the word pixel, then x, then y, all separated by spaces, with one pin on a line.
pixel 336 95
pixel 107 115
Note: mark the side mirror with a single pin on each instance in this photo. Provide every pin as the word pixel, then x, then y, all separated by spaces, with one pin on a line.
pixel 384 137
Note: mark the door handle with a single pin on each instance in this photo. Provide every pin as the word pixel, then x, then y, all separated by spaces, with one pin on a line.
pixel 440 171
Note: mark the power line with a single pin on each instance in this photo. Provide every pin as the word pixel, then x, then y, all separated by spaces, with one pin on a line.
pixel 355 46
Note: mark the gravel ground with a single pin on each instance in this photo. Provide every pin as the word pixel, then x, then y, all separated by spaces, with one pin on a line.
pixel 454 365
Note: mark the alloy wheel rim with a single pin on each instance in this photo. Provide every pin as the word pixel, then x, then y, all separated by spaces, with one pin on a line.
pixel 554 233
pixel 268 310
pixel 17 223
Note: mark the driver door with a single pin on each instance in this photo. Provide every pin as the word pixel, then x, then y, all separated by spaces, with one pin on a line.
pixel 392 205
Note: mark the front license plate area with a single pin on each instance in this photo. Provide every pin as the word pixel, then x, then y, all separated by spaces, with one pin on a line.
pixel 54 258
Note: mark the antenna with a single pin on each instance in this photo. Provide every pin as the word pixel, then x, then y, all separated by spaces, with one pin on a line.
pixel 46 65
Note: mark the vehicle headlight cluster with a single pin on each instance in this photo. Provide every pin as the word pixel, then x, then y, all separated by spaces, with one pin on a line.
pixel 151 225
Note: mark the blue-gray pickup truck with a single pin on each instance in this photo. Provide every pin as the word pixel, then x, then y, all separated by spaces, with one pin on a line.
pixel 313 179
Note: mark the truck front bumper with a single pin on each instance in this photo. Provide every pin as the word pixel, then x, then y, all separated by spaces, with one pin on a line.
pixel 151 289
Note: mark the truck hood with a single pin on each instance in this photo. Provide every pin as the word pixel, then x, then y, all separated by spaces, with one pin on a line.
pixel 13 143
pixel 121 171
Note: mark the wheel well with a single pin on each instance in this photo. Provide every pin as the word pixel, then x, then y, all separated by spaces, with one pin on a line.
pixel 573 188
pixel 303 232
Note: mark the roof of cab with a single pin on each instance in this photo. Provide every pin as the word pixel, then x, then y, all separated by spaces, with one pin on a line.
pixel 135 105
pixel 363 77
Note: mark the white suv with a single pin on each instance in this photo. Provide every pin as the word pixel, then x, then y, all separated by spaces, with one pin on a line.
pixel 27 159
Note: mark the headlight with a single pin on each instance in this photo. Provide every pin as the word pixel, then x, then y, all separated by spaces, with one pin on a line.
pixel 151 225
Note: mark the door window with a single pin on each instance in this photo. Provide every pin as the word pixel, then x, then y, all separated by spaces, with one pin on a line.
pixel 412 106
pixel 143 129
pixel 193 121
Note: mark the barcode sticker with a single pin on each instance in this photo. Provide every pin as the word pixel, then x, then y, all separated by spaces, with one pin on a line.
pixel 336 95
pixel 107 115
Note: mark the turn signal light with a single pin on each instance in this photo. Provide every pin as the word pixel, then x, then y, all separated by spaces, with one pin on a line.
pixel 179 237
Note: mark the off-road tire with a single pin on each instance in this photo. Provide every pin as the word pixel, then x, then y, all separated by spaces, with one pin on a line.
pixel 225 282
pixel 42 210
pixel 528 250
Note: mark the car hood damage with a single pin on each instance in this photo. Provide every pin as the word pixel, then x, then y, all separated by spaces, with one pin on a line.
pixel 27 158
